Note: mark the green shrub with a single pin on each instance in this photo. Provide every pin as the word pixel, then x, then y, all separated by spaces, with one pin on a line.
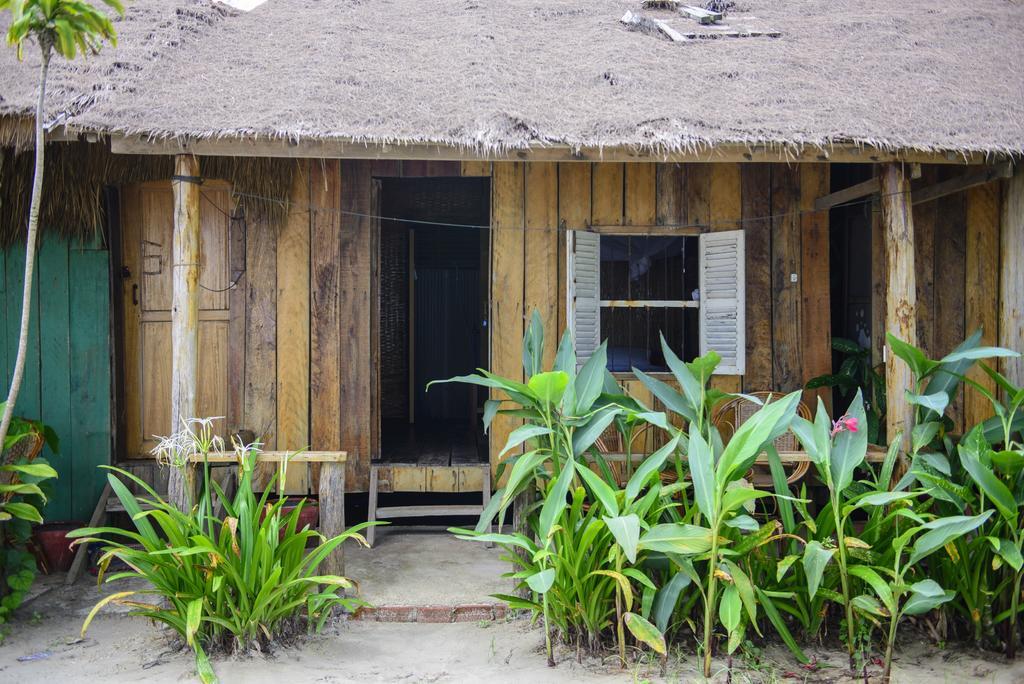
pixel 24 491
pixel 223 583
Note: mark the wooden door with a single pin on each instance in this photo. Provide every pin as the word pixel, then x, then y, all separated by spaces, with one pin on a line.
pixel 147 220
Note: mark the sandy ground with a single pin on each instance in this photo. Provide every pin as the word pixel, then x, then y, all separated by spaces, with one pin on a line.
pixel 44 646
pixel 424 566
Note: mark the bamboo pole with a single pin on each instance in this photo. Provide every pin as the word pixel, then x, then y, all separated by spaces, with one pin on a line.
pixel 181 487
pixel 900 297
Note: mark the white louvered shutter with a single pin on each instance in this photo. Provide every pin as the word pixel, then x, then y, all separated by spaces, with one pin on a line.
pixel 584 290
pixel 722 300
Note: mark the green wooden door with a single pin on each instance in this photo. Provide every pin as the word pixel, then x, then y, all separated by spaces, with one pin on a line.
pixel 67 382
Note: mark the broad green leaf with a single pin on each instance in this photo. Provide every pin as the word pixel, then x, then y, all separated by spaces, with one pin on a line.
pixel 522 434
pixel 936 402
pixel 804 431
pixel 491 407
pixel 744 523
pixel 929 599
pixel 667 395
pixel 729 609
pixel 32 469
pixel 626 530
pixel 783 566
pixel 1008 462
pixel 924 433
pixel 650 466
pixel 703 475
pixel 1008 551
pixel 992 486
pixel 542 581
pixel 919 364
pixel 736 497
pixel 870 605
pixel 601 489
pixel 490 510
pixel 584 437
pixel 194 612
pixel 850 448
pixel 745 589
pixel 676 538
pixel 666 599
pixel 555 501
pixel 748 440
pixel 978 353
pixel 875 581
pixel 942 531
pixel 590 379
pixel 565 357
pixel 645 632
pixel 816 558
pixel 877 499
pixel 522 471
pixel 22 511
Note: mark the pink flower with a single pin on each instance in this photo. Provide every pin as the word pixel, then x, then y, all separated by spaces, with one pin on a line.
pixel 844 424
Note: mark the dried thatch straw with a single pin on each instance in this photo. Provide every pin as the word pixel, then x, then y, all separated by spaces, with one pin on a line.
pixel 77 172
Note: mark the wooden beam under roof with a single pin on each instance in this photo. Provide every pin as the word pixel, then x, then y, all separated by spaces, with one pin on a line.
pixel 933 192
pixel 347 149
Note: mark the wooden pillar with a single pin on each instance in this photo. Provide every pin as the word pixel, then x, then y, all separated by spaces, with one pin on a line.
pixel 1011 280
pixel 184 314
pixel 332 514
pixel 901 295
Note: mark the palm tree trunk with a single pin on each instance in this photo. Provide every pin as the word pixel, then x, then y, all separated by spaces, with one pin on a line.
pixel 30 248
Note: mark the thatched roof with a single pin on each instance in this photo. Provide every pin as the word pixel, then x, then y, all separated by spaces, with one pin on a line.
pixel 505 74
pixel 147 34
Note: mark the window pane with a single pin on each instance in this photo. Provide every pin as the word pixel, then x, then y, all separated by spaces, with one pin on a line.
pixel 634 336
pixel 648 267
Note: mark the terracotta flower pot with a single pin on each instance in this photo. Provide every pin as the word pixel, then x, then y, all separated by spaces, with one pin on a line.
pixel 51 539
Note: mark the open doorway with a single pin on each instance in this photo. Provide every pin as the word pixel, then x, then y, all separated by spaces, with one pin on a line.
pixel 433 303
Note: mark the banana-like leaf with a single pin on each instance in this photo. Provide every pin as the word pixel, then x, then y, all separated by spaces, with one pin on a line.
pixel 729 609
pixel 584 437
pixel 521 434
pixel 590 379
pixel 677 538
pixel 816 559
pixel 993 487
pixel 1008 551
pixel 555 501
pixel 703 475
pixel 920 365
pixel 745 589
pixel 944 530
pixel 522 470
pixel 925 596
pixel 667 395
pixel 542 581
pixel 935 402
pixel 626 530
pixel 850 447
pixel 645 632
pixel 604 493
pixel 650 466
pixel 666 598
pixel 877 584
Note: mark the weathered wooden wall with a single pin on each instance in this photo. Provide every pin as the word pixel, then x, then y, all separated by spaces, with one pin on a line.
pixel 787 253
pixel 67 381
pixel 300 367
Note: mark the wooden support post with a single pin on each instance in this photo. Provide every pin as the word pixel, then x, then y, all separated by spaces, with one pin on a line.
pixel 184 314
pixel 332 513
pixel 1011 278
pixel 901 295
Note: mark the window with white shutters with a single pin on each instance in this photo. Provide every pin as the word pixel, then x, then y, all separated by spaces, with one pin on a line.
pixel 629 290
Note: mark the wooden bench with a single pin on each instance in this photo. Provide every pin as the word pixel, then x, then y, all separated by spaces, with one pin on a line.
pixel 331 495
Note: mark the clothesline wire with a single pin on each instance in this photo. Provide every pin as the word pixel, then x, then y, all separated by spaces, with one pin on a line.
pixel 707 224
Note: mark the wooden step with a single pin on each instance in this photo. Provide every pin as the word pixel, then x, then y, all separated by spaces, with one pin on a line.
pixel 427 511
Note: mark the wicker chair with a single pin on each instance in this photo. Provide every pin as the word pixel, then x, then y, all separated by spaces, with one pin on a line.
pixel 730 415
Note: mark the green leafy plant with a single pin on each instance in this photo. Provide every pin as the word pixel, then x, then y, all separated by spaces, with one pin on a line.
pixel 856 372
pixel 896 597
pixel 24 488
pixel 721 500
pixel 225 582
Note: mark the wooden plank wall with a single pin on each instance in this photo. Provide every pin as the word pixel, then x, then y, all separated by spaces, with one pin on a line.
pixel 957 257
pixel 709 196
pixel 67 381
